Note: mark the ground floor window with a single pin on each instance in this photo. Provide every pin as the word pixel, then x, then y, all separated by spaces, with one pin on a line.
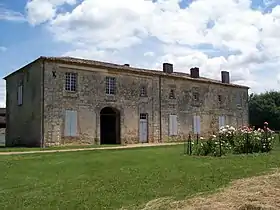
pixel 173 125
pixel 196 124
pixel 221 121
pixel 70 123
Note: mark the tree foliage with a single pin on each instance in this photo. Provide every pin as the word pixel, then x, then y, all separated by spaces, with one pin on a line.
pixel 265 107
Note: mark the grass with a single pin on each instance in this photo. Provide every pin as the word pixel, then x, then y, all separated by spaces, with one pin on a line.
pixel 111 179
pixel 22 149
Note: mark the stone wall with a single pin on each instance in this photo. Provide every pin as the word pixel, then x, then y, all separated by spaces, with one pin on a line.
pixel 24 121
pixel 91 98
pixel 207 106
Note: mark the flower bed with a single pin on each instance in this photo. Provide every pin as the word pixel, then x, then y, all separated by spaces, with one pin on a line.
pixel 236 141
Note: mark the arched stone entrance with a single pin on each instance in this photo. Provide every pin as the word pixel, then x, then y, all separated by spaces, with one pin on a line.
pixel 109 126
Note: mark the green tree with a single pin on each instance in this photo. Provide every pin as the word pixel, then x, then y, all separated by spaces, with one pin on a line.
pixel 265 107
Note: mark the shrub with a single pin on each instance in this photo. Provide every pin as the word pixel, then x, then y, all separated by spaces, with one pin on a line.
pixel 212 147
pixel 237 141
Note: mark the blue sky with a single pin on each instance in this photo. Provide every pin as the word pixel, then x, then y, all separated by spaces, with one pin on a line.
pixel 148 33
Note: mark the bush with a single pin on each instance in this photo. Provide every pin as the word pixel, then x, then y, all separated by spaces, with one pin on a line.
pixel 231 140
pixel 213 147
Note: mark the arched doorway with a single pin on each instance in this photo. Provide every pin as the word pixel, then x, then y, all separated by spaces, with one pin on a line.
pixel 109 126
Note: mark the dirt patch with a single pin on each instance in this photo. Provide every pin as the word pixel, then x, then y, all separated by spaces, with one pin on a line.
pixel 256 193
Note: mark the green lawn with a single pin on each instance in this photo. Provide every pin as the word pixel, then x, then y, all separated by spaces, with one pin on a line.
pixel 110 179
pixel 22 149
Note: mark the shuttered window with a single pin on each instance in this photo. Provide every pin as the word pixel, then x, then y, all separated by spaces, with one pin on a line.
pixel 70 123
pixel 173 125
pixel 196 124
pixel 20 94
pixel 221 121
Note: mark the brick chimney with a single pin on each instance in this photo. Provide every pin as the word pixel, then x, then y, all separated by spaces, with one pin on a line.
pixel 225 77
pixel 194 72
pixel 167 68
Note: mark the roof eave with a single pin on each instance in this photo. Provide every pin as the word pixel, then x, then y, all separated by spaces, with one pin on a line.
pixel 21 68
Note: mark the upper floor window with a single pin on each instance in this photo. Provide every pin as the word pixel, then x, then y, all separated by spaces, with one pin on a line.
pixel 71 81
pixel 219 98
pixel 111 85
pixel 143 91
pixel 238 99
pixel 20 94
pixel 195 96
pixel 172 94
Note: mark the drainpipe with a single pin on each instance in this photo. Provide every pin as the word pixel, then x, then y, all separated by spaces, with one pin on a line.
pixel 42 105
pixel 159 97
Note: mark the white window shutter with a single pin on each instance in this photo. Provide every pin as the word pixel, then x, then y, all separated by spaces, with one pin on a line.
pixel 19 96
pixel 194 124
pixel 73 123
pixel 198 124
pixel 175 125
pixel 67 128
pixel 170 125
pixel 221 121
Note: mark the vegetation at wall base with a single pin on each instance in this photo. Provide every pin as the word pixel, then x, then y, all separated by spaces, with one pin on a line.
pixel 229 140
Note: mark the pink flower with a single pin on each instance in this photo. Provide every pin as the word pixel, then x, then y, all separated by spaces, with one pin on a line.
pixel 266 123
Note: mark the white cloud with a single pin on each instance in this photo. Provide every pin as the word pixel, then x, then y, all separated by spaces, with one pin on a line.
pixel 40 11
pixel 9 15
pixel 213 35
pixel 151 54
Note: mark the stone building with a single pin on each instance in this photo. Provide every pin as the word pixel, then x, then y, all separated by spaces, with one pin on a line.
pixel 63 100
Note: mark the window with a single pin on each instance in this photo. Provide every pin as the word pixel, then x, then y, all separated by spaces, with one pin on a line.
pixel 195 96
pixel 70 123
pixel 196 124
pixel 173 127
pixel 71 81
pixel 221 121
pixel 172 94
pixel 143 116
pixel 143 91
pixel 238 99
pixel 219 98
pixel 110 85
pixel 20 94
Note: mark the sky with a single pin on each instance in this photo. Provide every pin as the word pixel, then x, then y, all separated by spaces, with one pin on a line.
pixel 239 36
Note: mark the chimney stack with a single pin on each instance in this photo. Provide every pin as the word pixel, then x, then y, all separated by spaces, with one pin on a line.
pixel 167 68
pixel 225 77
pixel 194 72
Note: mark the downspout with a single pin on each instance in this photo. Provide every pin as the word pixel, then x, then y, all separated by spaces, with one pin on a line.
pixel 42 105
pixel 159 97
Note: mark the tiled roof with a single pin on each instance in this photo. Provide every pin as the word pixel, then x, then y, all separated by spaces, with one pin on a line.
pixel 93 63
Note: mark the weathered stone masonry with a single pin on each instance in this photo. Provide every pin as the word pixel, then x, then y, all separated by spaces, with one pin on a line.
pixel 40 120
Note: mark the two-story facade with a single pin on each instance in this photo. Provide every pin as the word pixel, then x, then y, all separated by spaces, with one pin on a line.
pixel 63 100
